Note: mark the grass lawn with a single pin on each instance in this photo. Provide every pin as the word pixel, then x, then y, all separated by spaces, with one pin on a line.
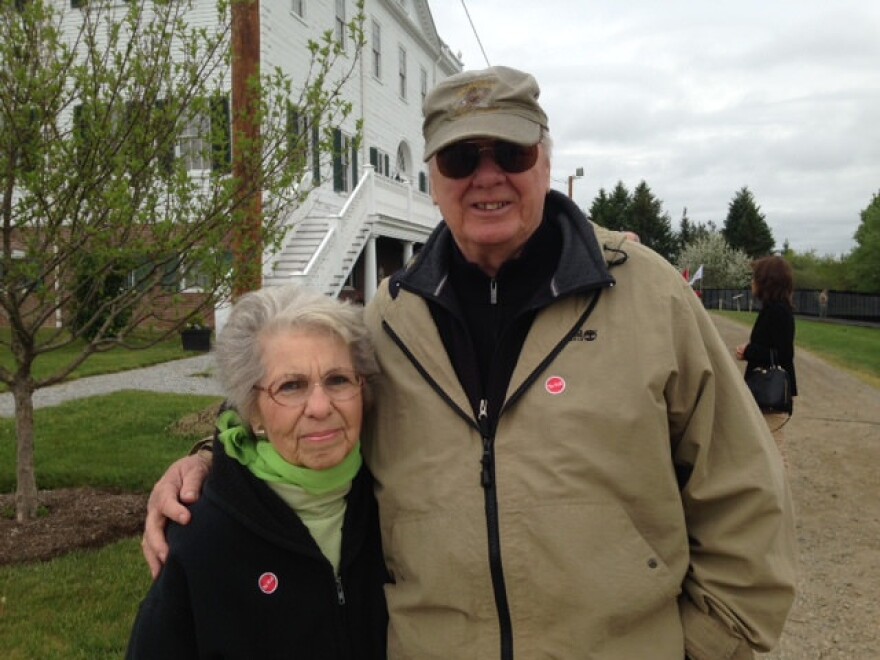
pixel 99 363
pixel 82 605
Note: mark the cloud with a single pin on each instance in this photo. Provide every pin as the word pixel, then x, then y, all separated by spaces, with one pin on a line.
pixel 700 99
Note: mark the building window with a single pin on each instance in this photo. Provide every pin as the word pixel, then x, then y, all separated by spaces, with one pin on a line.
pixel 193 145
pixel 381 161
pixel 297 138
pixel 340 22
pixel 345 166
pixel 402 161
pixel 423 82
pixel 298 7
pixel 205 139
pixel 377 50
pixel 402 71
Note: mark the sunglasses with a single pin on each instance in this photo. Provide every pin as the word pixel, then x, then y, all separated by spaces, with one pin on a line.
pixel 461 159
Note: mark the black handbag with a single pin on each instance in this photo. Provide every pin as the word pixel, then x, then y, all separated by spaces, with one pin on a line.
pixel 769 386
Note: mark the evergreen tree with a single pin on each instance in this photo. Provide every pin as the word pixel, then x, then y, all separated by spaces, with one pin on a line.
pixel 610 211
pixel 746 228
pixel 686 230
pixel 600 209
pixel 865 258
pixel 646 218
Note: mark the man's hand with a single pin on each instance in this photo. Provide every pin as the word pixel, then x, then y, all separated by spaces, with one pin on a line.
pixel 181 483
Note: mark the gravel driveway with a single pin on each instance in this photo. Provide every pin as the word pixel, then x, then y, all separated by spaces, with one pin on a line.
pixel 833 449
pixel 186 376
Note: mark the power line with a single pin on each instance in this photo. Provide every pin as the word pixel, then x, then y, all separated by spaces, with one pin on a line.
pixel 474 29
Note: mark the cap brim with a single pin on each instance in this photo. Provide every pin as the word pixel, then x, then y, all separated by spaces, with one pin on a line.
pixel 495 125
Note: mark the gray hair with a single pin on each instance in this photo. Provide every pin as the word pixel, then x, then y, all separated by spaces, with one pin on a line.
pixel 238 351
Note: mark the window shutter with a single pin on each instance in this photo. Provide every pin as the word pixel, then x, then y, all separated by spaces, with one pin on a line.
pixel 338 173
pixel 221 134
pixel 166 152
pixel 354 164
pixel 316 155
pixel 297 138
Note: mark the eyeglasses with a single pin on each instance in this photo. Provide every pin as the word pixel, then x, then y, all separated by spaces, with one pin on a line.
pixel 293 390
pixel 461 159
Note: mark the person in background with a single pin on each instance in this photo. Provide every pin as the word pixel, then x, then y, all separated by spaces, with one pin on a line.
pixel 568 463
pixel 823 303
pixel 283 557
pixel 772 338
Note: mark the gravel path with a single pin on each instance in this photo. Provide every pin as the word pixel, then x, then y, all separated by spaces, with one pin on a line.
pixel 186 376
pixel 833 450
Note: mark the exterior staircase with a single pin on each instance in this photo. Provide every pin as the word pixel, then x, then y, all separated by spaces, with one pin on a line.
pixel 328 232
pixel 326 237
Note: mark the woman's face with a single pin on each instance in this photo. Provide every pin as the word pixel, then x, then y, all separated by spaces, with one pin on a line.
pixel 322 429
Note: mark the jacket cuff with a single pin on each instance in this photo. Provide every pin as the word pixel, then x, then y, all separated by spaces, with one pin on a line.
pixel 204 445
pixel 706 638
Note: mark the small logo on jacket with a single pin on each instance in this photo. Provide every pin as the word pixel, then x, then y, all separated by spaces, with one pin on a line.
pixel 268 583
pixel 584 335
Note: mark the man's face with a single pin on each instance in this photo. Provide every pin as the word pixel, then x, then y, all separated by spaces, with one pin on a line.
pixel 492 212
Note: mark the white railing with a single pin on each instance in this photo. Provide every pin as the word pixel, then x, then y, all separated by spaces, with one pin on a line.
pixel 377 205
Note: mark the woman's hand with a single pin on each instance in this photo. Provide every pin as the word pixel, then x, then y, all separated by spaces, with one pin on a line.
pixel 741 351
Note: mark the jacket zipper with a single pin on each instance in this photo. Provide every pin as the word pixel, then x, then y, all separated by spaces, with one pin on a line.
pixel 487 467
pixel 487 480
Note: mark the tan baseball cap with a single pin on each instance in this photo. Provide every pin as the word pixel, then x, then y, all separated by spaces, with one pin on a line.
pixel 498 102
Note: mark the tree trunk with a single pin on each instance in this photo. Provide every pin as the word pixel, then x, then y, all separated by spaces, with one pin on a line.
pixel 26 489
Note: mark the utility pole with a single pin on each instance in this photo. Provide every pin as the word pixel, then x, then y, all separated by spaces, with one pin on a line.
pixel 247 243
pixel 578 173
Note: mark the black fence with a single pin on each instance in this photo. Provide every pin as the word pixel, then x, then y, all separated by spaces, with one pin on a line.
pixel 840 304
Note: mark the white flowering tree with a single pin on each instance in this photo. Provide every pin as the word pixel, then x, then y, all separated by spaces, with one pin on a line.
pixel 723 266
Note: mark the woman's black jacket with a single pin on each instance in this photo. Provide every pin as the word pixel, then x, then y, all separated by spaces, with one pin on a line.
pixel 772 341
pixel 245 579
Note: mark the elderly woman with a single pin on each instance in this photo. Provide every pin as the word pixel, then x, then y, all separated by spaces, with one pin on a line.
pixel 282 557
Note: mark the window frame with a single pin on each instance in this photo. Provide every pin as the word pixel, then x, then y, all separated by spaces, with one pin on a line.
pixel 401 71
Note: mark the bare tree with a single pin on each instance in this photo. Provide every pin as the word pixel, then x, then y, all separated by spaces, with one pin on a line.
pixel 116 183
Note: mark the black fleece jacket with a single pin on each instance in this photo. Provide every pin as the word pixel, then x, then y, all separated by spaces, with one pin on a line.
pixel 772 341
pixel 245 579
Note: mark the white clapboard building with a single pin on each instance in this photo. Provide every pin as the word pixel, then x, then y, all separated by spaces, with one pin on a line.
pixel 365 218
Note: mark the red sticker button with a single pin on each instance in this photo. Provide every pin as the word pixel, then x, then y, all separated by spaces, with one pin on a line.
pixel 268 583
pixel 555 385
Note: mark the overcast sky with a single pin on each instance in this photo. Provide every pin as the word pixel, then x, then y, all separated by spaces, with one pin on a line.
pixel 701 98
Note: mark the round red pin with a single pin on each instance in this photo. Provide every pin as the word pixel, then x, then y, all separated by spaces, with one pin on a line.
pixel 555 385
pixel 268 583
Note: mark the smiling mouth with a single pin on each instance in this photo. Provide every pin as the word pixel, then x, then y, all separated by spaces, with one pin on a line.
pixel 490 206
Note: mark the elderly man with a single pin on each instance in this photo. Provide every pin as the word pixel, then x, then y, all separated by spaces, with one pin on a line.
pixel 568 464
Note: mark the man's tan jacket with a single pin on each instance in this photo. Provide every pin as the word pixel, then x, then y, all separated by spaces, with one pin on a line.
pixel 641 503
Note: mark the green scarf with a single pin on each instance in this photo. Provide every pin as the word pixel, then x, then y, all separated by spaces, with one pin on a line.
pixel 264 461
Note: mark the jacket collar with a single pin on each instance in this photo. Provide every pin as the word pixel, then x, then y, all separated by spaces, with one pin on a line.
pixel 581 265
